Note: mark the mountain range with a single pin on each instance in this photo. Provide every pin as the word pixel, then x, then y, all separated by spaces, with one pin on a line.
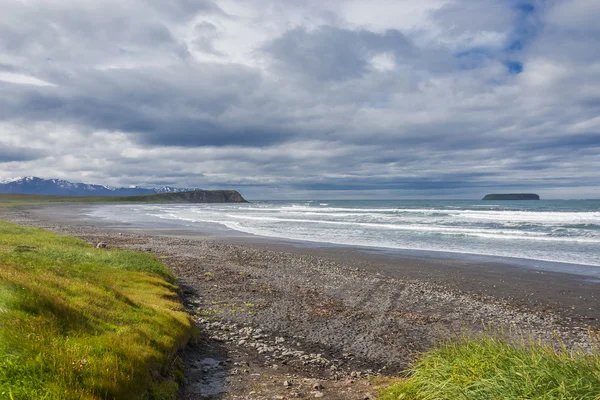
pixel 59 187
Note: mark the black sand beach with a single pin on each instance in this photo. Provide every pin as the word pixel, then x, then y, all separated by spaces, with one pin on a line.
pixel 280 319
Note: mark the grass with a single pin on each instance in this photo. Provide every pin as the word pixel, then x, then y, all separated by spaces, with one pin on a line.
pixel 492 368
pixel 83 323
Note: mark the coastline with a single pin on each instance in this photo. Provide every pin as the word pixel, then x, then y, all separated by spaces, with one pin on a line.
pixel 362 313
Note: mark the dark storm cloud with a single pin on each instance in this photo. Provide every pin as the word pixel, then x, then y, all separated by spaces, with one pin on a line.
pixel 184 107
pixel 149 127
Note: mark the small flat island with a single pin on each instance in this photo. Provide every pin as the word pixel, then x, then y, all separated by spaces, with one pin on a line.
pixel 511 196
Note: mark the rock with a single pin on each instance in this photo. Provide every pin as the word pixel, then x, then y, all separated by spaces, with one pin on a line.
pixel 511 196
pixel 318 386
pixel 319 394
pixel 101 245
pixel 287 384
pixel 202 196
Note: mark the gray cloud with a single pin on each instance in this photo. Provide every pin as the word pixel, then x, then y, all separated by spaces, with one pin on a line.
pixel 206 33
pixel 185 9
pixel 15 154
pixel 333 54
pixel 298 99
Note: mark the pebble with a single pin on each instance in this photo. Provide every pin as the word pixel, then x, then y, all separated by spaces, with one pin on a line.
pixel 285 352
pixel 273 348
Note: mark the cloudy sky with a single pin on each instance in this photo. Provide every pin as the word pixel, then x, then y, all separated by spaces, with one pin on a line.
pixel 305 98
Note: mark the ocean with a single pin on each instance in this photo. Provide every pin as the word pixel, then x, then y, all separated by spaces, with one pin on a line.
pixel 562 231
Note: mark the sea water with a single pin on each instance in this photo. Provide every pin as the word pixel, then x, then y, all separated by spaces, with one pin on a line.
pixel 564 231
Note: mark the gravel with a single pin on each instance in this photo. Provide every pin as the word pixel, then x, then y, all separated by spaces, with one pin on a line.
pixel 306 316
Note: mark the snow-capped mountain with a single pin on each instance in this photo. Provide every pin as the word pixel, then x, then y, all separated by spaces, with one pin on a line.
pixel 8 180
pixel 59 187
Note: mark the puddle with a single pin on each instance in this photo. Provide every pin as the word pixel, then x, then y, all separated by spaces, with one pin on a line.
pixel 207 377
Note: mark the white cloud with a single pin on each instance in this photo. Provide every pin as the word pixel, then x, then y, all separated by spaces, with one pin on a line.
pixel 543 73
pixel 383 62
pixel 21 79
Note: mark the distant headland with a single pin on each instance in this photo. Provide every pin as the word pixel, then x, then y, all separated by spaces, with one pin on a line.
pixel 511 196
pixel 39 190
pixel 194 196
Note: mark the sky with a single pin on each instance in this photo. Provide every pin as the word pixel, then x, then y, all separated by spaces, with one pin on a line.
pixel 305 99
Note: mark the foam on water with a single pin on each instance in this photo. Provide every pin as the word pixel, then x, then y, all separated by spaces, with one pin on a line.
pixel 561 231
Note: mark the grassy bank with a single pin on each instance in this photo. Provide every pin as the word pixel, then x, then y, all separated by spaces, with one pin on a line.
pixel 83 323
pixel 491 368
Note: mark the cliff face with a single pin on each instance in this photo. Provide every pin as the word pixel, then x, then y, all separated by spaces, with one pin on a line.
pixel 207 196
pixel 192 196
pixel 512 196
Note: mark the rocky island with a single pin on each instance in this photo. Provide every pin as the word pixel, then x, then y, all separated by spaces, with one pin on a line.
pixel 512 196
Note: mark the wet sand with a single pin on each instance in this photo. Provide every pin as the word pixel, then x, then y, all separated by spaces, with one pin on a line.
pixel 304 314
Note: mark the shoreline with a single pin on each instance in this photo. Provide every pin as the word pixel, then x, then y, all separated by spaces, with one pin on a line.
pixel 518 281
pixel 212 230
pixel 452 236
pixel 335 313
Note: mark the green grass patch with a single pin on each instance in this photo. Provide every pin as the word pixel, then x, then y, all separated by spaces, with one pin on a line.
pixel 83 323
pixel 493 368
